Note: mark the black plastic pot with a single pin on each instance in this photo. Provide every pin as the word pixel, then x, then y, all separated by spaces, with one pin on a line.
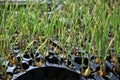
pixel 94 66
pixel 29 60
pixel 53 58
pixel 78 60
pixel 112 76
pixel 25 64
pixel 51 52
pixel 109 66
pixel 55 44
pixel 49 73
pixel 10 70
pixel 26 55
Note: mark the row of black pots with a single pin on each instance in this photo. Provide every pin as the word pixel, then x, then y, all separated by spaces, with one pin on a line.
pixel 54 60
